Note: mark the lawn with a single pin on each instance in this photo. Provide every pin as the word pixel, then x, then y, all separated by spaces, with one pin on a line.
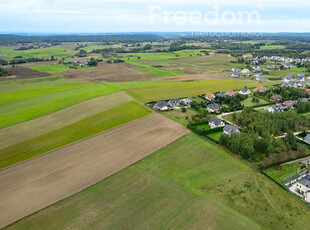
pixel 182 89
pixel 271 47
pixel 248 102
pixel 189 184
pixel 215 136
pixel 286 171
pixel 56 68
pixel 57 52
pixel 72 133
pixel 180 117
pixel 22 105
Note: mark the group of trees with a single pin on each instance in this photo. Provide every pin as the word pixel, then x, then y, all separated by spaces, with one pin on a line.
pixel 303 106
pixel 288 93
pixel 271 124
pixel 4 72
pixel 82 53
pixel 22 60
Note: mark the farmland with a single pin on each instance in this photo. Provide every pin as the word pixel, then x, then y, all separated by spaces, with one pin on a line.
pixel 26 130
pixel 182 185
pixel 57 52
pixel 55 68
pixel 71 133
pixel 23 105
pixel 47 179
pixel 182 89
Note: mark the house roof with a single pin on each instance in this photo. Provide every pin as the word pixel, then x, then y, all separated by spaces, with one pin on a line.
pixel 216 121
pixel 214 106
pixel 186 100
pixel 307 138
pixel 288 103
pixel 260 88
pixel 231 92
pixel 244 90
pixel 231 129
pixel 210 95
pixel 161 104
pixel 276 97
pixel 305 181
pixel 277 107
pixel 174 101
pixel 220 94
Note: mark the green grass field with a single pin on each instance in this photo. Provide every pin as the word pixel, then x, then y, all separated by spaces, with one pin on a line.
pixel 248 102
pixel 22 105
pixel 189 184
pixel 57 52
pixel 71 133
pixel 272 47
pixel 286 171
pixel 56 68
pixel 182 89
pixel 215 136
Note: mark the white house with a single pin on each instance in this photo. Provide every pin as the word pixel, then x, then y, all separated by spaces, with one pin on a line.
pixel 214 108
pixel 245 71
pixel 275 108
pixel 230 129
pixel 215 123
pixel 161 105
pixel 174 103
pixel 303 185
pixel 245 91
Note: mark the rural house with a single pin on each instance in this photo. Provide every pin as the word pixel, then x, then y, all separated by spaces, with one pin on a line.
pixel 235 74
pixel 214 108
pixel 276 98
pixel 220 95
pixel 210 96
pixel 161 105
pixel 174 103
pixel 235 69
pixel 275 108
pixel 215 123
pixel 245 91
pixel 288 104
pixel 260 89
pixel 186 101
pixel 307 139
pixel 260 77
pixel 245 71
pixel 303 185
pixel 231 93
pixel 230 129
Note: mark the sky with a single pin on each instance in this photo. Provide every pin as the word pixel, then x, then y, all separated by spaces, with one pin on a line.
pixel 104 16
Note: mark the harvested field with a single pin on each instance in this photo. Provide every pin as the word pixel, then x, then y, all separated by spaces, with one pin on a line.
pixel 196 77
pixel 39 182
pixel 23 72
pixel 36 127
pixel 108 73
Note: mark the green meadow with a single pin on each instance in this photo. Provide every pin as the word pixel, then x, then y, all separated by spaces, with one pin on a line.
pixel 189 184
pixel 55 68
pixel 71 133
pixel 182 89
pixel 57 52
pixel 22 105
pixel 280 174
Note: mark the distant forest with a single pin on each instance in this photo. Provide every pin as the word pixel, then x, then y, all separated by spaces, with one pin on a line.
pixel 14 39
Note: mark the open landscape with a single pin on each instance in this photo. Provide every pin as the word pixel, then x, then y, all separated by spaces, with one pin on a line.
pixel 154 130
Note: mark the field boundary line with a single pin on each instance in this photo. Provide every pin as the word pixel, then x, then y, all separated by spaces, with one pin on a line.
pixel 49 152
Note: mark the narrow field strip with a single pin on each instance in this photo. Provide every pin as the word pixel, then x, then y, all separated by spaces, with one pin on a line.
pixel 24 110
pixel 26 130
pixel 77 131
pixel 39 182
pixel 182 89
pixel 21 95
